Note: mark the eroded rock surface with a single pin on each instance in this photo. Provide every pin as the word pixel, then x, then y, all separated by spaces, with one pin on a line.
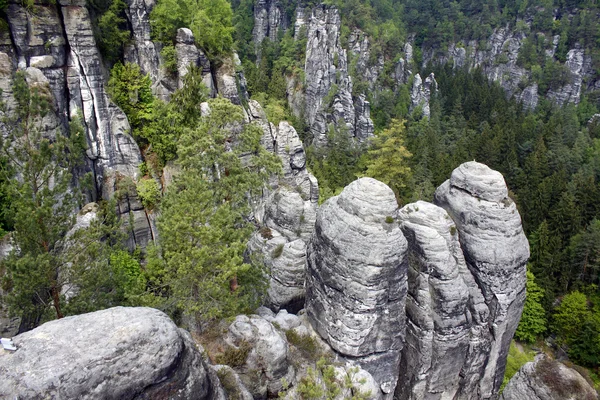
pixel 444 306
pixel 356 278
pixel 119 353
pixel 546 379
pixel 496 252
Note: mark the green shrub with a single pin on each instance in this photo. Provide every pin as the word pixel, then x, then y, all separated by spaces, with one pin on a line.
pixel 149 193
pixel 235 357
pixel 277 251
pixel 516 359
pixel 305 343
pixel 169 56
pixel 389 220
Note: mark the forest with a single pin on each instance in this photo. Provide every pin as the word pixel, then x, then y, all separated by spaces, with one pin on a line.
pixel 549 156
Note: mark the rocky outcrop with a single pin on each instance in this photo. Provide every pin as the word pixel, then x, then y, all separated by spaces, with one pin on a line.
pixel 356 278
pixel 496 252
pixel 328 98
pixel 144 52
pixel 189 54
pixel 287 216
pixel 269 19
pixel 420 95
pixel 445 310
pixel 546 379
pixel 571 91
pixel 359 47
pixel 267 362
pixel 111 147
pixel 121 353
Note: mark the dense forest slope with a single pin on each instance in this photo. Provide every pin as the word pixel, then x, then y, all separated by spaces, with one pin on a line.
pixel 192 156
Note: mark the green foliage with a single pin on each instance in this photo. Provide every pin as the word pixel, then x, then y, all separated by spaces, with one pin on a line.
pixel 37 177
pixel 149 193
pixel 169 56
pixel 234 357
pixel 209 20
pixel 203 224
pixel 387 158
pixel 112 32
pixel 131 91
pixel 533 320
pixel 168 120
pixel 515 360
pixel 307 345
pixel 277 251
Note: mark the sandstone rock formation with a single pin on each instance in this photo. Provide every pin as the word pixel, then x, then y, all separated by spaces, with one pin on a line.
pixel 496 252
pixel 287 215
pixel 328 96
pixel 189 54
pixel 268 360
pixel 269 18
pixel 356 278
pixel 546 379
pixel 443 306
pixel 120 353
pixel 420 95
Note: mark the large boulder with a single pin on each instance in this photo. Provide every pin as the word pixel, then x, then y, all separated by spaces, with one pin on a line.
pixel 496 252
pixel 356 278
pixel 444 307
pixel 119 353
pixel 546 379
pixel 267 362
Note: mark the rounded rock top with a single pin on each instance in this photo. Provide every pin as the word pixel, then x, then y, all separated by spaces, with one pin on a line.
pixel 368 198
pixel 480 181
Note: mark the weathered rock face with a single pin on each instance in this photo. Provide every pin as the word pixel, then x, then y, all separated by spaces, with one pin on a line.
pixel 421 93
pixel 269 18
pixel 287 215
pixel 577 62
pixel 120 353
pixel 112 149
pixel 189 54
pixel 328 84
pixel 268 360
pixel 444 307
pixel 546 379
pixel 144 52
pixel 496 252
pixel 356 278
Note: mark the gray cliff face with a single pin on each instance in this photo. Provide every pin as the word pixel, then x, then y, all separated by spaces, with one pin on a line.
pixel 189 54
pixel 496 252
pixel 287 215
pixel 328 98
pixel 443 306
pixel 356 279
pixel 546 379
pixel 112 149
pixel 120 353
pixel 498 60
pixel 269 18
pixel 359 46
pixel 269 355
pixel 144 52
pixel 420 95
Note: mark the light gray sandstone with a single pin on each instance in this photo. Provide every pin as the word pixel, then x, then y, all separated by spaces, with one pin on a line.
pixel 420 95
pixel 287 215
pixel 189 54
pixel 443 306
pixel 356 279
pixel 546 379
pixel 496 252
pixel 328 92
pixel 269 19
pixel 268 360
pixel 119 353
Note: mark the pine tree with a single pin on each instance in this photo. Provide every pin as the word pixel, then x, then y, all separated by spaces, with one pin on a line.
pixel 387 160
pixel 42 202
pixel 204 225
pixel 533 320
